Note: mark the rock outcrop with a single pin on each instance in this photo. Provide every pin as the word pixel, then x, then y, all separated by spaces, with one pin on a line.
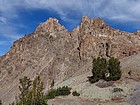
pixel 56 54
pixel 97 38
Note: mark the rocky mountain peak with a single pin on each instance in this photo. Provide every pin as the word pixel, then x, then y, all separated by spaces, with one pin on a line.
pixel 99 23
pixel 51 25
pixel 56 54
pixel 96 23
pixel 96 27
pixel 85 19
pixel 52 20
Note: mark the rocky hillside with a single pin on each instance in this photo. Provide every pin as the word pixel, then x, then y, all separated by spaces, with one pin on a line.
pixel 56 54
pixel 101 93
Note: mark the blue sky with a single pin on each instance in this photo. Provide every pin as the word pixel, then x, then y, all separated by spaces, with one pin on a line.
pixel 20 17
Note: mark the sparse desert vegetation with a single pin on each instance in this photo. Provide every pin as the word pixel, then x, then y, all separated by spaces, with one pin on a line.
pixel 61 91
pixel 31 92
pixel 117 90
pixel 75 93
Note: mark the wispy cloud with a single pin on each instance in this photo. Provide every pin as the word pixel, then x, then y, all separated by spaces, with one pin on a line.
pixel 127 10
pixel 9 32
pixel 104 8
pixel 4 42
pixel 2 20
pixel 119 10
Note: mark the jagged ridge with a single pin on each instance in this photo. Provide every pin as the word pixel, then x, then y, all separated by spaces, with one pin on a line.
pixel 54 53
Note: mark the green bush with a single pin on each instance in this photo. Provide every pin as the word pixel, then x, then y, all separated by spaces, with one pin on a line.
pixel 61 91
pixel 93 79
pixel 51 94
pixel 108 70
pixel 75 93
pixel 117 90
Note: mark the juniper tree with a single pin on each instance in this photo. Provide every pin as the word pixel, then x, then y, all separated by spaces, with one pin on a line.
pixel 99 67
pixel 114 69
pixel 105 69
pixel 31 92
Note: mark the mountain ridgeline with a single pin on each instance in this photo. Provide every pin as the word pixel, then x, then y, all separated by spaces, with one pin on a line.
pixel 56 54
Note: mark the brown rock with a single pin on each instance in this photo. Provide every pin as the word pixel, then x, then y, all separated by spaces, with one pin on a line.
pixel 54 53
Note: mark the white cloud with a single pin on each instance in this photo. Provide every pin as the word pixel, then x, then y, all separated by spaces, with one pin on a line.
pixel 2 20
pixel 9 32
pixel 119 10
pixel 112 9
pixel 4 42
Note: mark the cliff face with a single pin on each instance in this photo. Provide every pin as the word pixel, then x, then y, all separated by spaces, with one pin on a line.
pixel 56 54
pixel 97 38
